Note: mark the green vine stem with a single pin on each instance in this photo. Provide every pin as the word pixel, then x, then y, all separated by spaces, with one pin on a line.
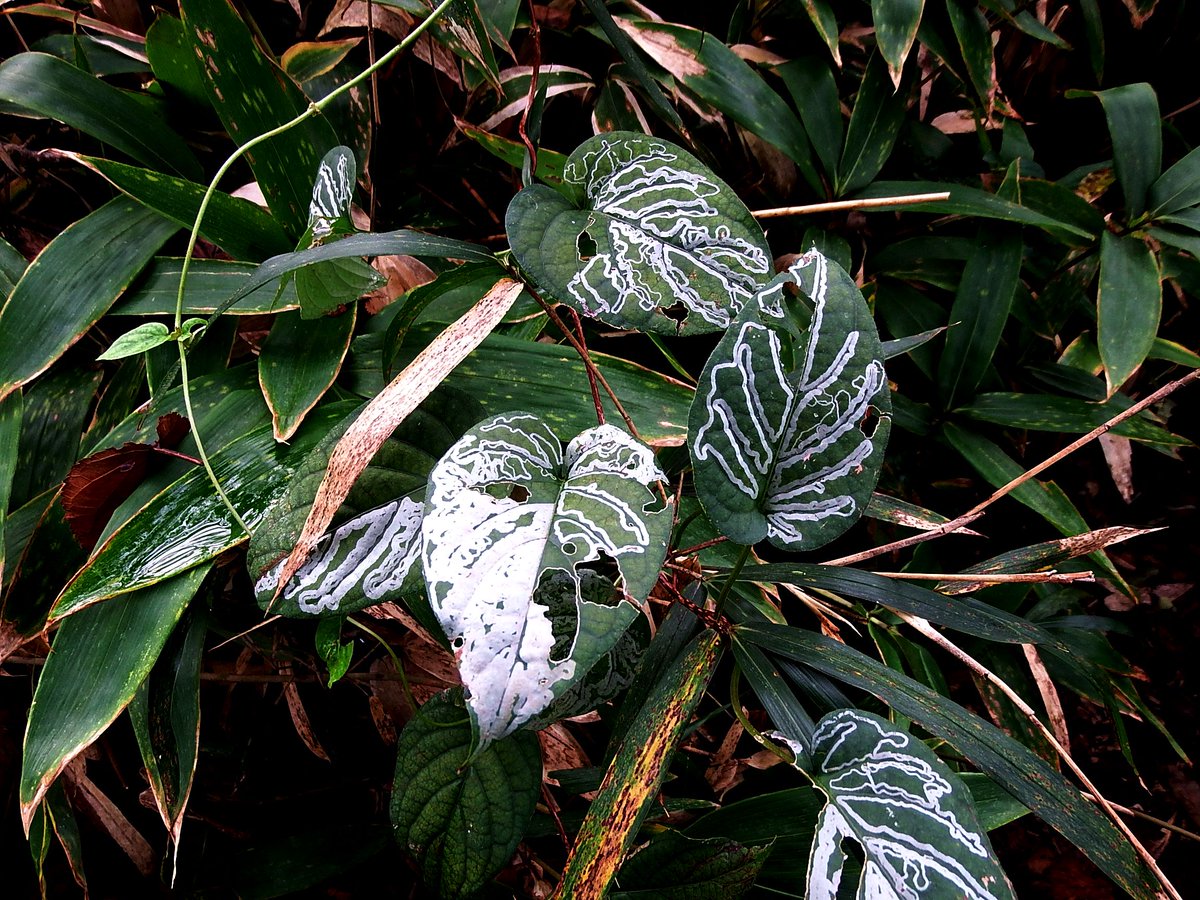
pixel 731 579
pixel 313 109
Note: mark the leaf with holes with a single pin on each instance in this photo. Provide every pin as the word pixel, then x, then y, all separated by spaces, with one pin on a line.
pixel 649 239
pixel 513 527
pixel 914 820
pixel 789 423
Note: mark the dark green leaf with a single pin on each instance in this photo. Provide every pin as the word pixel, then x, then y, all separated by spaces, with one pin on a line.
pixel 55 413
pixel 100 658
pixel 1128 306
pixel 1177 188
pixel 308 59
pixel 210 284
pixel 238 226
pixel 981 305
pixel 1044 412
pixel 652 240
pixel 10 434
pixel 975 44
pixel 874 126
pixel 788 427
pixel 1136 131
pixel 173 61
pixel 326 286
pixel 165 713
pixel 44 85
pixel 252 94
pixel 826 25
pixel 461 816
pixel 298 362
pixel 810 82
pixel 72 283
pixel 336 655
pixel 677 867
pixel 896 29
pixel 1007 762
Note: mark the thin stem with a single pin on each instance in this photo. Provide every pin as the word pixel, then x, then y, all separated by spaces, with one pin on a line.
pixel 591 370
pixel 408 694
pixel 839 205
pixel 193 237
pixel 731 578
pixel 976 511
pixel 1052 577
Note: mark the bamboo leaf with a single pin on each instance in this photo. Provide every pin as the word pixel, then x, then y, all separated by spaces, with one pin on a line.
pixel 650 238
pixel 896 28
pixel 298 362
pixel 779 438
pixel 43 85
pixel 525 615
pixel 874 126
pixel 100 658
pixel 1128 306
pixel 1178 188
pixel 72 283
pixel 677 867
pixel 1136 131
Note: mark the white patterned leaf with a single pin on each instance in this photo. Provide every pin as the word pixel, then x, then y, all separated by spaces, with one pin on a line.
pixel 913 818
pixel 642 236
pixel 332 192
pixel 792 414
pixel 515 532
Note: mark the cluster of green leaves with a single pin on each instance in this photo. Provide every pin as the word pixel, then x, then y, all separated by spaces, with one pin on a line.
pixel 527 541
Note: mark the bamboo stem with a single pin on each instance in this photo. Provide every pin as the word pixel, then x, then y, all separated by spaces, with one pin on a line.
pixel 840 205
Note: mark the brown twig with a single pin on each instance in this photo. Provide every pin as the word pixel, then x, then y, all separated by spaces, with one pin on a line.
pixel 696 548
pixel 976 511
pixel 984 672
pixel 590 369
pixel 587 360
pixel 839 205
pixel 1051 576
pixel 535 34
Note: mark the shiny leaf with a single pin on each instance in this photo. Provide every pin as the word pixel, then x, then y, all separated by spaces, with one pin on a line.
pixel 896 29
pixel 777 433
pixel 298 362
pixel 1128 306
pixel 138 340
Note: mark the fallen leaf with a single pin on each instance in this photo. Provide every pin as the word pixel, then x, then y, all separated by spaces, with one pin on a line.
pixel 560 752
pixel 300 719
pixel 91 800
pixel 389 408
pixel 724 772
pixel 1119 456
pixel 1050 698
pixel 664 50
pixel 403 273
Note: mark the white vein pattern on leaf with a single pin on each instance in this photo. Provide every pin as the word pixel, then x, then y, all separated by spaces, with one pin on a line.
pixel 373 551
pixel 883 799
pixel 331 195
pixel 655 228
pixel 483 555
pixel 756 452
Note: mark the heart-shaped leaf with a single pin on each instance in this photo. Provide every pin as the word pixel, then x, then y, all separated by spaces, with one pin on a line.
pixel 512 524
pixel 329 210
pixel 650 239
pixel 791 418
pixel 461 820
pixel 913 818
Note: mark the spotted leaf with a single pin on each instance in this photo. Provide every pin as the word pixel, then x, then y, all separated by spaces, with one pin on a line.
pixel 913 818
pixel 789 423
pixel 516 532
pixel 642 235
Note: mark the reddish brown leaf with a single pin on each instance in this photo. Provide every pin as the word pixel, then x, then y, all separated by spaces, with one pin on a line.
pixel 98 484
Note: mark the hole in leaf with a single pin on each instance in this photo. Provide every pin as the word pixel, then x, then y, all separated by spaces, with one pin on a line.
pixel 869 423
pixel 598 579
pixel 676 312
pixel 569 548
pixel 585 247
pixel 519 492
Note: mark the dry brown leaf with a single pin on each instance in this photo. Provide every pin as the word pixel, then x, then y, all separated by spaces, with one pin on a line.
pixel 432 659
pixel 438 55
pixel 1050 698
pixel 764 759
pixel 1138 13
pixel 10 639
pixel 125 14
pixel 389 611
pixel 91 800
pixel 664 50
pixel 1118 453
pixel 724 772
pixel 353 14
pixel 560 752
pixel 300 719
pixel 403 273
pixel 752 53
pixel 390 407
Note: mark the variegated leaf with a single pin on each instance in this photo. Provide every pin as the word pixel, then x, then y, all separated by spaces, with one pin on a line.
pixel 332 192
pixel 912 816
pixel 649 239
pixel 515 533
pixel 789 423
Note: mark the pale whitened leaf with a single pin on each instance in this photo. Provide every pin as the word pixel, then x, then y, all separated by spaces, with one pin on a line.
pixel 332 192
pixel 913 818
pixel 791 417
pixel 514 533
pixel 649 238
